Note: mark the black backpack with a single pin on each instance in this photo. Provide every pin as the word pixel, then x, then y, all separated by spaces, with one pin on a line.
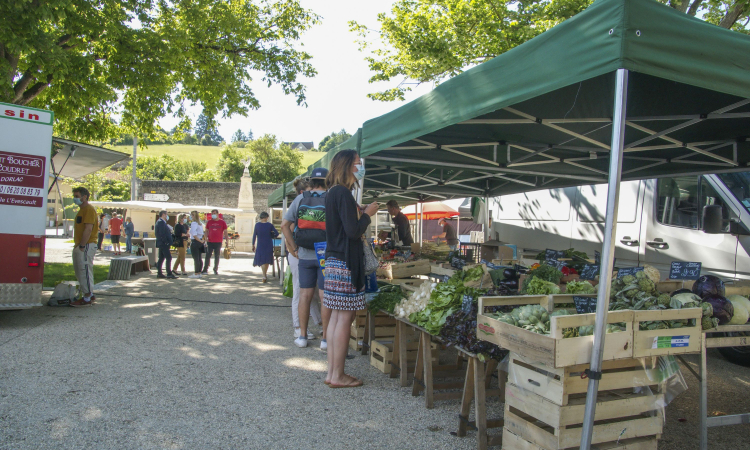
pixel 311 220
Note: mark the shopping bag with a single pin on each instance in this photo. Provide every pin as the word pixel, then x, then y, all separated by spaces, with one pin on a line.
pixel 288 286
pixel 227 253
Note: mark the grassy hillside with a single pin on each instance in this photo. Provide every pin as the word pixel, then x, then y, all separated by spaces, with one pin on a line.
pixel 200 153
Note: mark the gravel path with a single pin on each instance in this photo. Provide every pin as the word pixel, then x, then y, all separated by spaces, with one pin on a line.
pixel 210 364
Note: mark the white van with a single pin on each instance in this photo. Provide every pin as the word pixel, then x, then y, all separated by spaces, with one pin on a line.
pixel 659 221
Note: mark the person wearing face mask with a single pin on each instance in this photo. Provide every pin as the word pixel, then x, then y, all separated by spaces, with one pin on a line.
pixel 449 234
pixel 180 242
pixel 215 229
pixel 84 250
pixel 129 229
pixel 164 243
pixel 344 286
pixel 197 243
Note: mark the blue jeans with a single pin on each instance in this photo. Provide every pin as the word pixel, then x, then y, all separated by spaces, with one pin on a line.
pixel 128 244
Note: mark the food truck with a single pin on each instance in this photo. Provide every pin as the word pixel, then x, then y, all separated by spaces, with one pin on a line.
pixel 25 149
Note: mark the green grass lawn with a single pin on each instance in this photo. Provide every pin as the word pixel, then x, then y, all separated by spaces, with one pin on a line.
pixel 208 154
pixel 57 272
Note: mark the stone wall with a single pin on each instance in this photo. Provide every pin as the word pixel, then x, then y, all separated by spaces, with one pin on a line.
pixel 207 192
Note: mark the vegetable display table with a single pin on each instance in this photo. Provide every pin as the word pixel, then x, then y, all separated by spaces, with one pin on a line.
pixel 477 388
pixel 721 336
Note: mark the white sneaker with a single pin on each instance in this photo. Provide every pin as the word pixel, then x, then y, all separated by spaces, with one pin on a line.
pixel 296 333
pixel 195 275
pixel 323 344
pixel 310 335
pixel 300 342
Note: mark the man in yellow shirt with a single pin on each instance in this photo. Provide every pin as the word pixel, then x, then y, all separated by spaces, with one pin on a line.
pixel 85 246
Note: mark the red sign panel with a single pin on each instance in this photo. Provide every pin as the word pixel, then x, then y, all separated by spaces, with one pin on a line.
pixel 22 179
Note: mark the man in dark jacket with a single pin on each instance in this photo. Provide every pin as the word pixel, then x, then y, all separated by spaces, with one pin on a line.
pixel 402 223
pixel 164 243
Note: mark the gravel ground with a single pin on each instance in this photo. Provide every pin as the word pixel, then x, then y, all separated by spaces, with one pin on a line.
pixel 193 364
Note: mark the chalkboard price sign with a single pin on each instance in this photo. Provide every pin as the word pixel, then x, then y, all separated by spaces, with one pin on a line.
pixel 458 263
pixel 681 270
pixel 628 271
pixel 585 305
pixel 553 255
pixel 556 264
pixel 589 271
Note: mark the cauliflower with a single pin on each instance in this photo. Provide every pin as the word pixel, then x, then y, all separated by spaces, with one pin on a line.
pixel 652 273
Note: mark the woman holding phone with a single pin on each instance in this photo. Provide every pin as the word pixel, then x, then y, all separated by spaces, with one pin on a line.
pixel 344 291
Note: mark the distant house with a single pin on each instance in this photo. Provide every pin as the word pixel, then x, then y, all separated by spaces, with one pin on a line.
pixel 301 146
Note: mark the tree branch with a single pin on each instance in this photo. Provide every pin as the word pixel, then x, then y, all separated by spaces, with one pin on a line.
pixel 693 10
pixel 731 17
pixel 21 85
pixel 35 90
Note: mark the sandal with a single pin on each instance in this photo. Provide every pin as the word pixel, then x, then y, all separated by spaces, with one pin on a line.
pixel 352 384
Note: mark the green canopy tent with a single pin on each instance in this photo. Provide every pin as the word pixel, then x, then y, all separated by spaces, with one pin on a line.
pixel 625 90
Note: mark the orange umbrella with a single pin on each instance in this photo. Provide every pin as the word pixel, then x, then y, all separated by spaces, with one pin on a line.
pixel 431 211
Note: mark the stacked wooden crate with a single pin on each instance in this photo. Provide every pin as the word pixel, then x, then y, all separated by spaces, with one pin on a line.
pixel 404 270
pixel 385 328
pixel 544 407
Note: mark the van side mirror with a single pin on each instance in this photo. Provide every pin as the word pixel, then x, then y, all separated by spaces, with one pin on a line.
pixel 713 219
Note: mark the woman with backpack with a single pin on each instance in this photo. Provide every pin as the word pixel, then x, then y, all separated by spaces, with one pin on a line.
pixel 303 226
pixel 346 224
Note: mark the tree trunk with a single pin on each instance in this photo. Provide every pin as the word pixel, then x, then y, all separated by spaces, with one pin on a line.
pixel 731 17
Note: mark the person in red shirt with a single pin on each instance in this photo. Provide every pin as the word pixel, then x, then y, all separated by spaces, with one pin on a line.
pixel 115 230
pixel 216 228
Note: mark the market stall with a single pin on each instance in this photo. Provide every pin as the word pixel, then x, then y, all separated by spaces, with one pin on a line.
pixel 601 98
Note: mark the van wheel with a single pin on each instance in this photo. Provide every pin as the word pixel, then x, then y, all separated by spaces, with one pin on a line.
pixel 736 355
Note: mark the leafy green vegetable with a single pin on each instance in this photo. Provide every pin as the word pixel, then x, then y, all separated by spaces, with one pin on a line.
pixel 580 287
pixel 386 299
pixel 474 274
pixel 537 286
pixel 544 272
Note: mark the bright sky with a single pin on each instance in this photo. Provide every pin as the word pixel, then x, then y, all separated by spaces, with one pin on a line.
pixel 336 97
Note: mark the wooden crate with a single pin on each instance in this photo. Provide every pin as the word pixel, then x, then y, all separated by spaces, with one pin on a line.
pixel 440 269
pixel 381 353
pixel 385 328
pixel 643 340
pixel 545 406
pixel 553 350
pixel 404 282
pixel 557 301
pixel 484 282
pixel 512 441
pixel 405 270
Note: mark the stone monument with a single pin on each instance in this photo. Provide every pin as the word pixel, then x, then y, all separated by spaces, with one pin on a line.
pixel 244 222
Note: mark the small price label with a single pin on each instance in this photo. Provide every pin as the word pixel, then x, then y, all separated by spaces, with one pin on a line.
pixel 585 305
pixel 446 278
pixel 589 271
pixel 628 271
pixel 685 270
pixel 670 342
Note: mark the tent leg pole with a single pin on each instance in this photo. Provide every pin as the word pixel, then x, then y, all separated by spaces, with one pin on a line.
pixel 608 250
pixel 486 218
pixel 282 249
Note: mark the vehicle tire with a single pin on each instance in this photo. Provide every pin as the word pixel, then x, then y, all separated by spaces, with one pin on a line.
pixel 736 355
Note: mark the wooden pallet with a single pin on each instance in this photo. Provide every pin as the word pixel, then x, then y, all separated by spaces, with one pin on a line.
pixel 545 406
pixel 553 350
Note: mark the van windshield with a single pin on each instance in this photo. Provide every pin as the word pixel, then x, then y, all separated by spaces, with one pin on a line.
pixel 739 184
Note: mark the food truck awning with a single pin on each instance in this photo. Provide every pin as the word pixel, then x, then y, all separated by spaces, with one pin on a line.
pixel 85 160
pixel 139 205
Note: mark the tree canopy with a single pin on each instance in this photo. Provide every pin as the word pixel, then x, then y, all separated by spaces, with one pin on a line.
pixel 111 66
pixel 270 161
pixel 333 140
pixel 427 41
